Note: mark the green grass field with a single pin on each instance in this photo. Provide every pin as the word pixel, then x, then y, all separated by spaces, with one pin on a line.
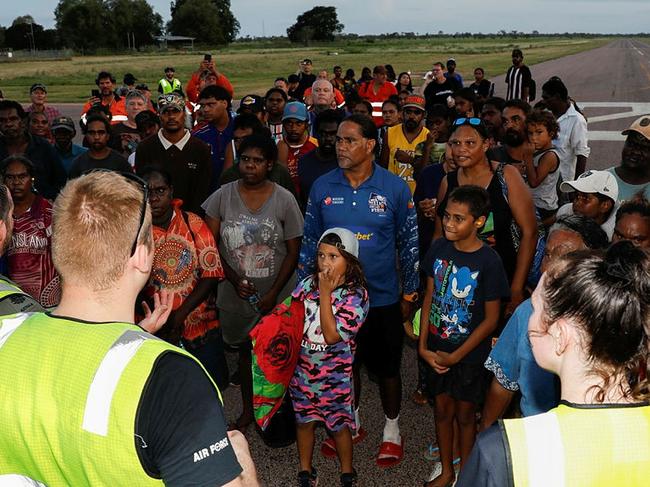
pixel 252 66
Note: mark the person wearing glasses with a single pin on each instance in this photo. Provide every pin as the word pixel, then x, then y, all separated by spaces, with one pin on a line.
pixel 258 227
pixel 589 326
pixel 93 398
pixel 29 255
pixel 99 155
pixel 512 211
pixel 186 263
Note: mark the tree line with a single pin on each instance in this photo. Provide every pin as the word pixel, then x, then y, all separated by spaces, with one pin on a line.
pixel 89 25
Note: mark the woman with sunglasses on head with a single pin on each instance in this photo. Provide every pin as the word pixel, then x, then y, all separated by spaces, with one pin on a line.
pixel 590 324
pixel 511 226
pixel 258 226
pixel 29 255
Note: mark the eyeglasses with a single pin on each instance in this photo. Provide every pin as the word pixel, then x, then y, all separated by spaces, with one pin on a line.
pixel 140 183
pixel 16 178
pixel 468 121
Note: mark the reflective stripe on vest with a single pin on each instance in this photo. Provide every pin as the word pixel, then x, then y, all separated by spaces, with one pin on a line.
pixel 9 325
pixel 13 480
pixel 543 434
pixel 376 108
pixel 8 288
pixel 107 376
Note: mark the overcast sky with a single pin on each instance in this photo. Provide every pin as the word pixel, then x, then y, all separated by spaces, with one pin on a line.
pixel 258 17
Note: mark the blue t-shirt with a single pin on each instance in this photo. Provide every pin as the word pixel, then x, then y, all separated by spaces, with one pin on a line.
pixel 382 215
pixel 69 157
pixel 426 187
pixel 513 364
pixel 218 141
pixel 462 283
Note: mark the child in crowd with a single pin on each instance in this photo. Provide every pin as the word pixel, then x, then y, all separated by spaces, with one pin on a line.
pixel 542 170
pixel 465 285
pixel 336 305
pixel 595 197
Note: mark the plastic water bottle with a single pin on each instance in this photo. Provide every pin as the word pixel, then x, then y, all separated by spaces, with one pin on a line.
pixel 253 299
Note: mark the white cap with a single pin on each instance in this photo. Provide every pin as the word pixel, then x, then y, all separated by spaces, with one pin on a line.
pixel 349 241
pixel 602 182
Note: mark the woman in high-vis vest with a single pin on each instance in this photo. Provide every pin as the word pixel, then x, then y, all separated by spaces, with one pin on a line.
pixel 589 326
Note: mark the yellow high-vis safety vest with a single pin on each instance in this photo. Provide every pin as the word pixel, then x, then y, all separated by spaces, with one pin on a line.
pixel 588 446
pixel 70 395
pixel 168 87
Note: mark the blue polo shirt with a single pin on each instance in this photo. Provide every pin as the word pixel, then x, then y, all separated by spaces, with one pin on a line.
pixel 382 215
pixel 218 141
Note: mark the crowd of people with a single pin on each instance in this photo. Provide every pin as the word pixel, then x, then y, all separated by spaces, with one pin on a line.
pixel 389 207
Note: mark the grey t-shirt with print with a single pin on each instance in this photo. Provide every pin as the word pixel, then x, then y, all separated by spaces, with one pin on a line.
pixel 253 242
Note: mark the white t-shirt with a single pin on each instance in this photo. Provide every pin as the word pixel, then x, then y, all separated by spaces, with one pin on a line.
pixel 572 141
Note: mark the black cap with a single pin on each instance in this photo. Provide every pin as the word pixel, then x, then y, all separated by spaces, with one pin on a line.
pixel 129 79
pixel 37 86
pixel 170 68
pixel 254 103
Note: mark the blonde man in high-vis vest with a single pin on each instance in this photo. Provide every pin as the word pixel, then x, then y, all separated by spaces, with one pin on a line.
pixel 589 326
pixel 88 397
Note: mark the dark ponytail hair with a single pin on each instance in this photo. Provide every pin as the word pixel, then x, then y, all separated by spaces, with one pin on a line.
pixel 608 296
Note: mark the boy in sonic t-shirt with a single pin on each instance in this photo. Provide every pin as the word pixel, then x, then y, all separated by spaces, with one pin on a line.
pixel 465 284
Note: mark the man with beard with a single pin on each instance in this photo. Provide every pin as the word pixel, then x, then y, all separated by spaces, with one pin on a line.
pixel 99 155
pixel 296 140
pixel 398 150
pixel 633 173
pixel 322 159
pixel 175 150
pixel 571 143
pixel 513 150
pixel 15 139
pixel 491 116
pixel 107 97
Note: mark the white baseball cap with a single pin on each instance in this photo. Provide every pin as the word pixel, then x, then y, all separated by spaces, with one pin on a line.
pixel 602 182
pixel 349 241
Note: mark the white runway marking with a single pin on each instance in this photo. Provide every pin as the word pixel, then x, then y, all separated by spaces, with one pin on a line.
pixel 628 110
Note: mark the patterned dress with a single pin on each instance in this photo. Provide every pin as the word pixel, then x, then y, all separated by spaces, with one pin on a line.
pixel 321 387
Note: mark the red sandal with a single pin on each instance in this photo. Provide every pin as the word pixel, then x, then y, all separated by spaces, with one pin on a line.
pixel 390 454
pixel 328 447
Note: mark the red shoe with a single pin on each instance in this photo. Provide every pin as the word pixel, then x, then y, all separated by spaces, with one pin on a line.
pixel 328 447
pixel 390 454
